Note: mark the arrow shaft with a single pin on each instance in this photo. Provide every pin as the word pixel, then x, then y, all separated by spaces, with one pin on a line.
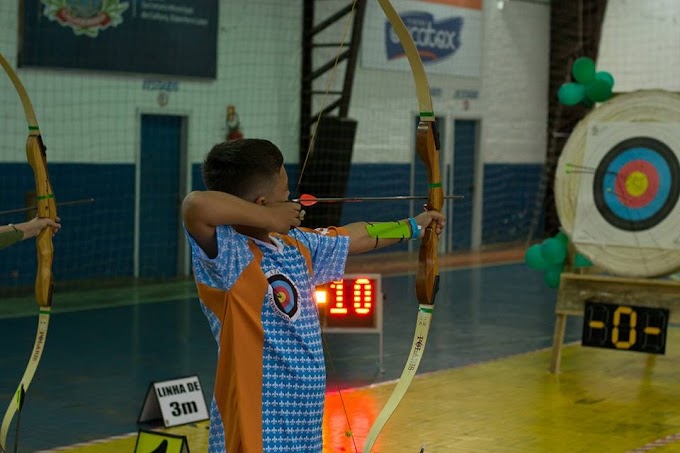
pixel 360 199
pixel 66 203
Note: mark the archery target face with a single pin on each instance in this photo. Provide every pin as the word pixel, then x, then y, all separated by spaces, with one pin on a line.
pixel 283 296
pixel 632 197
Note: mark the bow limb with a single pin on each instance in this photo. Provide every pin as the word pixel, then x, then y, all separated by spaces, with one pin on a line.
pixel 46 207
pixel 427 277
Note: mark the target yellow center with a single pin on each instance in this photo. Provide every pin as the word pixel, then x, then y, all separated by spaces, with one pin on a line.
pixel 637 183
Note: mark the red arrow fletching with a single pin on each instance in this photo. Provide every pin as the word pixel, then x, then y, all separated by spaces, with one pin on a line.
pixel 307 199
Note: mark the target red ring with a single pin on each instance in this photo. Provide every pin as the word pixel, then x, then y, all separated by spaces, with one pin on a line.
pixel 637 183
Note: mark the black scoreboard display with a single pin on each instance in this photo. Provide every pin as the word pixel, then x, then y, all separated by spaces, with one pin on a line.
pixel 630 328
pixel 355 302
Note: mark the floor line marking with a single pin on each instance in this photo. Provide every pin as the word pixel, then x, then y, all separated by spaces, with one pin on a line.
pixel 89 443
pixel 657 443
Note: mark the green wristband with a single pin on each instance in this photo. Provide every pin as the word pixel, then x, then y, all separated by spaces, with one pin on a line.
pixel 389 230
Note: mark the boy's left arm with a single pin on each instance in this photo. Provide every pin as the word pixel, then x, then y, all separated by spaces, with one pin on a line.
pixel 362 240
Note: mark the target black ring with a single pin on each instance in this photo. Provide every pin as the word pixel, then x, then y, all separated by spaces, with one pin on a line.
pixel 602 170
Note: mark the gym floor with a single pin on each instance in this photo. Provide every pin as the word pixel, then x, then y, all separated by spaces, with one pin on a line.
pixel 483 384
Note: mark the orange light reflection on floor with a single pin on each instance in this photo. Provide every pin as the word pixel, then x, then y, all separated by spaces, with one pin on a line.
pixel 362 410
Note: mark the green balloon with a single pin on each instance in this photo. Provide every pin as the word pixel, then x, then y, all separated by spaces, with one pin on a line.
pixel 581 261
pixel 552 276
pixel 571 93
pixel 587 103
pixel 598 90
pixel 533 258
pixel 607 77
pixel 583 70
pixel 563 238
pixel 553 251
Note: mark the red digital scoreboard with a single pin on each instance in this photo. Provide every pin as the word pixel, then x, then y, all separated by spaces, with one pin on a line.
pixel 353 303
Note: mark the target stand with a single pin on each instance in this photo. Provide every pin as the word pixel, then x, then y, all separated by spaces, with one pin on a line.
pixel 648 304
pixel 617 195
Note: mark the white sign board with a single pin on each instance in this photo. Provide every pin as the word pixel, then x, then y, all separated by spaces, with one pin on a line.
pixel 176 402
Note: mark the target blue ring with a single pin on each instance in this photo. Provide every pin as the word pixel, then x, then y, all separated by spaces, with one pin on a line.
pixel 656 155
pixel 609 184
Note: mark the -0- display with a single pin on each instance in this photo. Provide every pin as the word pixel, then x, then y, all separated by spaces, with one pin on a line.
pixel 630 328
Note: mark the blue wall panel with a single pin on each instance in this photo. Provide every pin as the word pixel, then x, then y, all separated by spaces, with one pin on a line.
pixel 510 195
pixel 96 240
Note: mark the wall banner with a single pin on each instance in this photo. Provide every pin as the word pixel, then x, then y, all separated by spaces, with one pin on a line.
pixel 448 34
pixel 166 37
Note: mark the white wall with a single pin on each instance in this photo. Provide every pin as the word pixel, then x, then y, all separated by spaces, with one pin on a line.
pixel 513 91
pixel 639 44
pixel 90 117
pixel 515 82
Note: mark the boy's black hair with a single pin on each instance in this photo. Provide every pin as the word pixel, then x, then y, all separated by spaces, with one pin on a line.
pixel 244 167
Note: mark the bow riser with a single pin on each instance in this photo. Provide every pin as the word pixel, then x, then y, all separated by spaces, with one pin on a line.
pixel 46 207
pixel 427 275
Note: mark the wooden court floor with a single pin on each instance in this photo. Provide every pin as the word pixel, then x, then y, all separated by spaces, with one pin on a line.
pixel 484 384
pixel 602 401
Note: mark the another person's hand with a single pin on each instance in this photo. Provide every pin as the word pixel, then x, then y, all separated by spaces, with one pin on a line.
pixel 34 226
pixel 424 220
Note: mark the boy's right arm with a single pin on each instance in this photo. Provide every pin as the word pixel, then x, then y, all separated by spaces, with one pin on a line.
pixel 203 211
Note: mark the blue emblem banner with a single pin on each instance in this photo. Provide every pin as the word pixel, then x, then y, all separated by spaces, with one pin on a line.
pixel 171 37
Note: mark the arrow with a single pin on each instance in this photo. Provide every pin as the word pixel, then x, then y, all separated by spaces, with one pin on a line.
pixel 66 203
pixel 310 200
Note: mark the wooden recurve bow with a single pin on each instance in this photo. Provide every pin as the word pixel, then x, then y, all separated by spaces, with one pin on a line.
pixel 427 276
pixel 46 207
